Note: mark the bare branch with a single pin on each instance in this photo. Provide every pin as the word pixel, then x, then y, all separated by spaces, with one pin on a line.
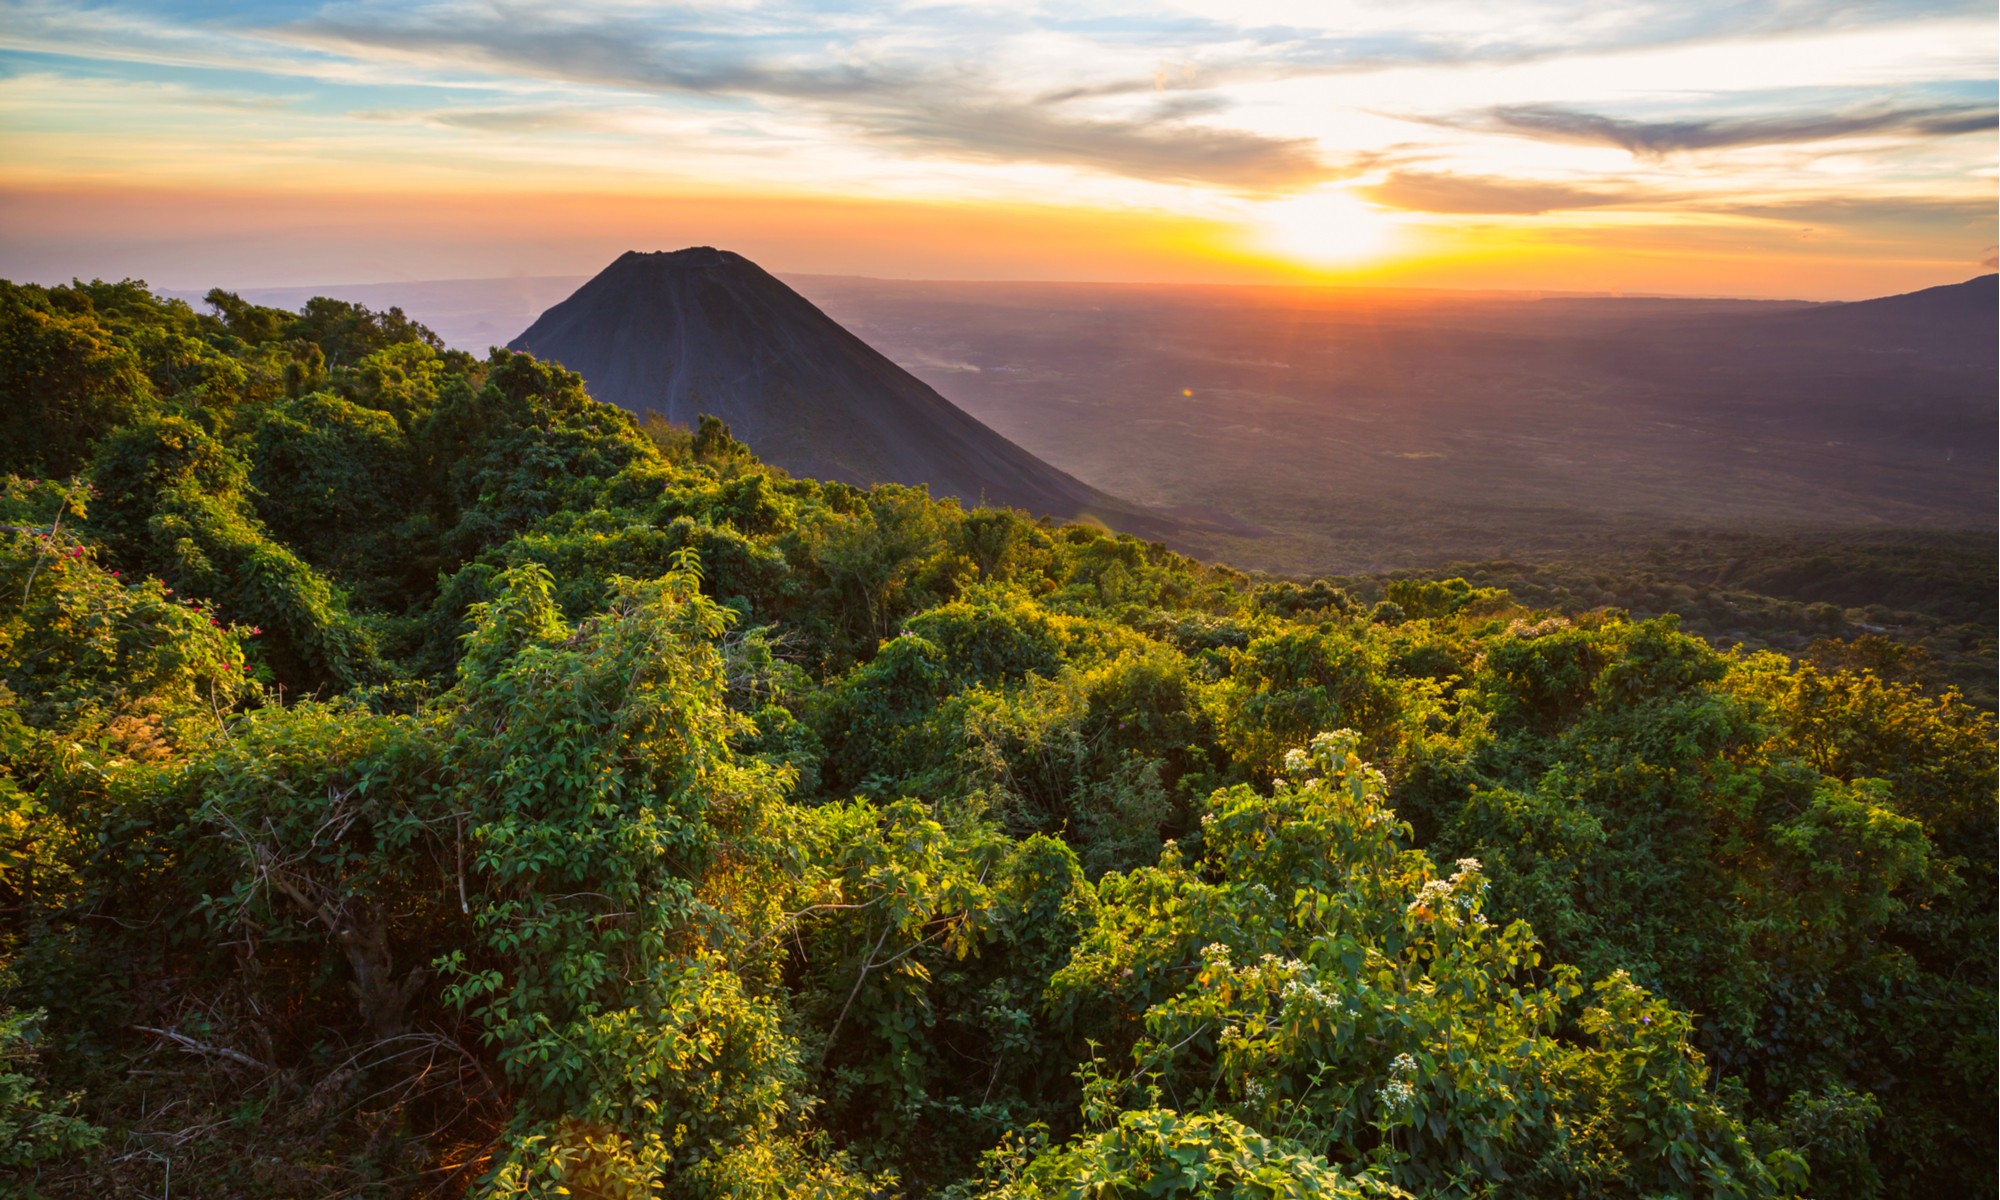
pixel 193 1047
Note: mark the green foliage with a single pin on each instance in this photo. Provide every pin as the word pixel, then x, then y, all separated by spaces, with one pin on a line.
pixel 333 481
pixel 174 505
pixel 1442 597
pixel 65 381
pixel 1312 972
pixel 1906 605
pixel 90 654
pixel 1288 685
pixel 602 827
pixel 436 781
pixel 33 1129
pixel 526 445
pixel 1288 599
pixel 346 332
pixel 1160 1153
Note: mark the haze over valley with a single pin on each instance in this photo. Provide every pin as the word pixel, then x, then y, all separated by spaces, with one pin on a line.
pixel 1341 430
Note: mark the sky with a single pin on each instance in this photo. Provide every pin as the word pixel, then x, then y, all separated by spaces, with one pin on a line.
pixel 1822 149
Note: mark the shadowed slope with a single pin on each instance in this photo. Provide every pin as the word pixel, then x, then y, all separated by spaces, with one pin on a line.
pixel 708 331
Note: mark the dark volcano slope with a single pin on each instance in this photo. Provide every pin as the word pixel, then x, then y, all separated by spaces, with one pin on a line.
pixel 708 331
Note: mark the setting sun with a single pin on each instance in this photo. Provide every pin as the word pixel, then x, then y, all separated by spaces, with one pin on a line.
pixel 1324 227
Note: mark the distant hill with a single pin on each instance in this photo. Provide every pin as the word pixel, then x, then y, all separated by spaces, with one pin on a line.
pixel 1958 321
pixel 708 331
pixel 1976 301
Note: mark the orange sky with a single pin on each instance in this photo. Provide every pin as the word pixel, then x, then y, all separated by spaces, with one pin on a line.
pixel 1717 147
pixel 192 239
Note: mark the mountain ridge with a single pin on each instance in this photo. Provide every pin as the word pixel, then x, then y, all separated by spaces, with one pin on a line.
pixel 707 331
pixel 1950 322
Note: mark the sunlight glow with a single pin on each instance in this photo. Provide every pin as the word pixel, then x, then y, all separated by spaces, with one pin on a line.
pixel 1327 227
pixel 1444 143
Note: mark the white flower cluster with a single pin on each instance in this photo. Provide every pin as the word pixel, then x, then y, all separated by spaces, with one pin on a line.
pixel 1335 743
pixel 1468 889
pixel 1308 991
pixel 1215 954
pixel 1434 894
pixel 1305 989
pixel 1398 1091
pixel 1461 889
pixel 1301 990
pixel 1297 762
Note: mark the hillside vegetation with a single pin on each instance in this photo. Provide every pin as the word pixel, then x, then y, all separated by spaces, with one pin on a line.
pixel 422 779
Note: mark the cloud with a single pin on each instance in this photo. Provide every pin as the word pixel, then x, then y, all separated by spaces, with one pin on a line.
pixel 653 56
pixel 502 120
pixel 947 111
pixel 918 359
pixel 1653 139
pixel 1991 258
pixel 939 83
pixel 1447 192
pixel 1931 211
pixel 1107 89
pixel 1163 150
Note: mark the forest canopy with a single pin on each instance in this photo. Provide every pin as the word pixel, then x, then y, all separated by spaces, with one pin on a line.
pixel 417 778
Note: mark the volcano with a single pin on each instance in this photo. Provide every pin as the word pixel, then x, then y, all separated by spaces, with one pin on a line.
pixel 702 330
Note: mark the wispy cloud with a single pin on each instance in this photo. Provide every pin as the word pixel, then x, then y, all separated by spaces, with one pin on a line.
pixel 1933 212
pixel 1659 138
pixel 939 109
pixel 516 120
pixel 662 49
pixel 1447 192
pixel 1166 149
